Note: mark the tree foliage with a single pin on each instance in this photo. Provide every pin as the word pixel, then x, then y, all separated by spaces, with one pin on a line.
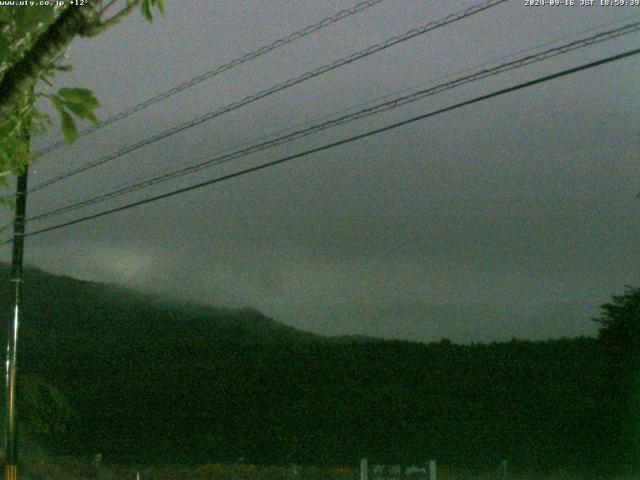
pixel 620 320
pixel 33 41
pixel 44 410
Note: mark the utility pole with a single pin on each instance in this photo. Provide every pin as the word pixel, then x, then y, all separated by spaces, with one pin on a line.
pixel 11 418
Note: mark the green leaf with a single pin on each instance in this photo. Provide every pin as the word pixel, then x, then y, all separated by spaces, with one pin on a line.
pixel 80 101
pixel 58 103
pixel 31 17
pixel 81 111
pixel 7 126
pixel 69 128
pixel 145 9
pixel 5 52
pixel 5 15
pixel 79 95
pixel 161 6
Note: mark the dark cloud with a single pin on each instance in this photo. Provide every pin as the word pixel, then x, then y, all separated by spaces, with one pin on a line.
pixel 514 217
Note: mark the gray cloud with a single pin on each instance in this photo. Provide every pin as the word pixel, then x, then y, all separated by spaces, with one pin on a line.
pixel 515 217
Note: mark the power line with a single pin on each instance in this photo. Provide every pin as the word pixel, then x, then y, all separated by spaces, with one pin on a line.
pixel 340 142
pixel 379 108
pixel 469 69
pixel 279 87
pixel 221 69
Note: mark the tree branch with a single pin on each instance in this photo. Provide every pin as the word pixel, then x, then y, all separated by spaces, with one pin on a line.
pixel 83 21
pixel 106 7
pixel 23 74
pixel 103 25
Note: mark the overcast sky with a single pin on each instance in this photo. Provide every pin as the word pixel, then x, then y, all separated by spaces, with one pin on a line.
pixel 514 217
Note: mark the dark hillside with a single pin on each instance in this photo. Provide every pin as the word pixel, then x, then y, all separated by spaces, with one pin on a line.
pixel 162 382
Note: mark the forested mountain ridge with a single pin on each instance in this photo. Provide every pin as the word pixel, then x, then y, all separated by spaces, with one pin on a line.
pixel 161 382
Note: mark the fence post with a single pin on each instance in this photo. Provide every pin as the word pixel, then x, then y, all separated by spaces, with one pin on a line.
pixel 432 470
pixel 504 470
pixel 364 469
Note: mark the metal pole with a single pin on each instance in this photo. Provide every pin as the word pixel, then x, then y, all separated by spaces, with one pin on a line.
pixel 364 469
pixel 11 418
pixel 432 470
